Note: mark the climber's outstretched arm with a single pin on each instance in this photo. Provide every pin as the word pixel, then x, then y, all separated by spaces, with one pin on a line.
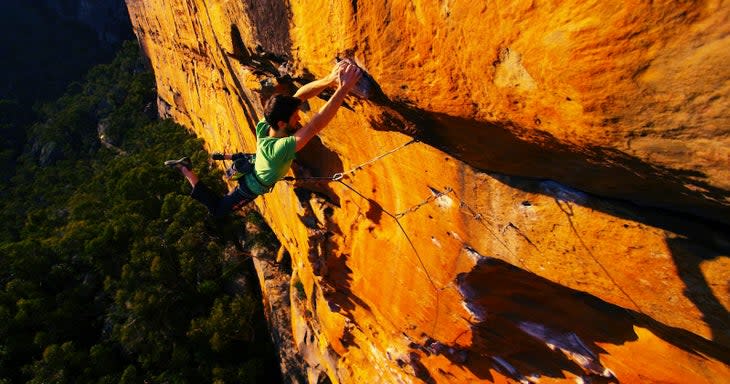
pixel 348 77
pixel 314 88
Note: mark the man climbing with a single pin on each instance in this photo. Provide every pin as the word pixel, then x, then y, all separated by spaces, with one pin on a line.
pixel 279 136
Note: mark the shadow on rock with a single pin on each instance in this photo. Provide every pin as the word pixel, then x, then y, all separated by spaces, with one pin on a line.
pixel 506 148
pixel 688 256
pixel 695 212
pixel 317 160
pixel 271 18
pixel 527 327
pixel 690 239
pixel 328 261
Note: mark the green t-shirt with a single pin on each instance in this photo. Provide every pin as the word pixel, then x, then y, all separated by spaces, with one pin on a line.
pixel 273 159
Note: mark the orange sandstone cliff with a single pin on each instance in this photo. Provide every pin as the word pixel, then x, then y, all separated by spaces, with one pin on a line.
pixel 549 199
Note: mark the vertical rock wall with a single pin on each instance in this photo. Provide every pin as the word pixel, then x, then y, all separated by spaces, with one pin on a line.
pixel 555 205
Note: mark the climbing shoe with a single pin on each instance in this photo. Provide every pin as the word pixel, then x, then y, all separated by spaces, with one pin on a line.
pixel 184 162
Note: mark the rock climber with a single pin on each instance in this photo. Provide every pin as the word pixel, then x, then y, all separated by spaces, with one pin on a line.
pixel 279 136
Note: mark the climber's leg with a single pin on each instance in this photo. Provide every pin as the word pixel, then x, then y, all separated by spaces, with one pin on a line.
pixel 220 206
pixel 185 167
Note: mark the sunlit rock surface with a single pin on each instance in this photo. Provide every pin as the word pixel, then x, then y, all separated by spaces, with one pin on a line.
pixel 562 216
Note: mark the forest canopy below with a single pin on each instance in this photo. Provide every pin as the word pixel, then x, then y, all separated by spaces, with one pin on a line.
pixel 109 272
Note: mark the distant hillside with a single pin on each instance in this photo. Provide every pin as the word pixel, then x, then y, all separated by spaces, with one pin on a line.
pixel 47 44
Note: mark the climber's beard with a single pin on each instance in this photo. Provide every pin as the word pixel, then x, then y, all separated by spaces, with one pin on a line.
pixel 290 130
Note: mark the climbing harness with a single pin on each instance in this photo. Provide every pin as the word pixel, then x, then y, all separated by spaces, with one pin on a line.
pixel 243 164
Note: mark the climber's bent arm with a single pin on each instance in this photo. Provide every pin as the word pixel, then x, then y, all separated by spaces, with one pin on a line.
pixel 320 119
pixel 317 86
pixel 314 88
pixel 348 76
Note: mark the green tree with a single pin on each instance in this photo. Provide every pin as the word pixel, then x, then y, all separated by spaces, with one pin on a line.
pixel 109 272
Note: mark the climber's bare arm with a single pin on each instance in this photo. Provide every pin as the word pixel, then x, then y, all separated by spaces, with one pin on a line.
pixel 317 86
pixel 348 76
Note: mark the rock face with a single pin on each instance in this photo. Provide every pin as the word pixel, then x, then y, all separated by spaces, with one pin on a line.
pixel 553 197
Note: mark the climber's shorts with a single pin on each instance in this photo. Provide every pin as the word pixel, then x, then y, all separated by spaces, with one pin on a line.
pixel 221 206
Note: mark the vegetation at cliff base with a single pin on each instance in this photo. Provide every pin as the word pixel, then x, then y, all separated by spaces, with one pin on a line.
pixel 109 272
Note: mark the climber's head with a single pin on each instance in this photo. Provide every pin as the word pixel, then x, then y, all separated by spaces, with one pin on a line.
pixel 282 113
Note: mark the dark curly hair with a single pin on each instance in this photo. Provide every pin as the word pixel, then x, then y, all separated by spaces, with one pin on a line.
pixel 280 108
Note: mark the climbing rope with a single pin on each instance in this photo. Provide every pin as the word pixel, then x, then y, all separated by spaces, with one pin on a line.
pixel 490 222
pixel 378 158
pixel 569 215
pixel 480 218
pixel 338 177
pixel 396 218
pixel 427 201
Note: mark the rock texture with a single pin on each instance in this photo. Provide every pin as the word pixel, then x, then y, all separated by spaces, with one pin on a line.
pixel 562 215
pixel 275 289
